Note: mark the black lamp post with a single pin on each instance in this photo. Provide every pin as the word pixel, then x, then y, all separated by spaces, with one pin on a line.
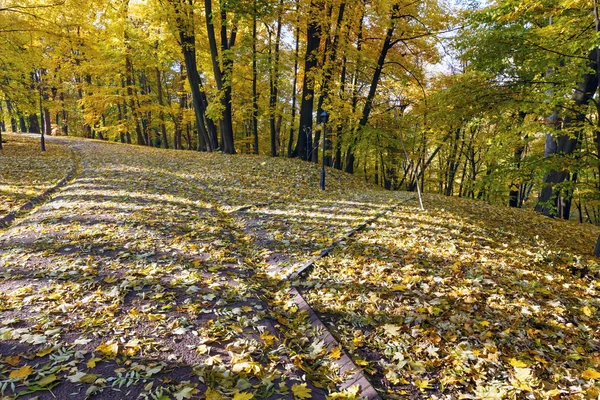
pixel 324 118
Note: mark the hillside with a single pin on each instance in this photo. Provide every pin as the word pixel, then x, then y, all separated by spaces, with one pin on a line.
pixel 164 274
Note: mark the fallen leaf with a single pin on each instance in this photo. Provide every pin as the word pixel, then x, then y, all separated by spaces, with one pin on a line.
pixel 21 373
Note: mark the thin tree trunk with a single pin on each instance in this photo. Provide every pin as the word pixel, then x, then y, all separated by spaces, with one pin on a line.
pixel 295 83
pixel 274 84
pixel 161 115
pixel 254 82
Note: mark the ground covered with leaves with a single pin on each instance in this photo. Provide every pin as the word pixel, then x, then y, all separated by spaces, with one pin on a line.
pixel 26 172
pixel 467 300
pixel 161 275
pixel 142 278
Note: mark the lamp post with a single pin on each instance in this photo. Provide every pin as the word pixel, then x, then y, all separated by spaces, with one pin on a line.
pixel 324 118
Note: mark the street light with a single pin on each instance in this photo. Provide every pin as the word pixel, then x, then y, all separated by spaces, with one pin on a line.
pixel 324 118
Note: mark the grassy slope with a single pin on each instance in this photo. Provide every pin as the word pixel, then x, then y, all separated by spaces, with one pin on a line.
pixel 464 298
pixel 26 172
pixel 467 299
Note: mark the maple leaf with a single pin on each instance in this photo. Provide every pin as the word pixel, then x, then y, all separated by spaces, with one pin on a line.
pixel 21 373
pixel 335 353
pixel 300 391
pixel 91 363
pixel 392 330
pixel 422 384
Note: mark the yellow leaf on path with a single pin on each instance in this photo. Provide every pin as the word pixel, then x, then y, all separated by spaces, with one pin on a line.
pixel 247 308
pixel 399 287
pixel 47 380
pixel 212 394
pixel 422 384
pixel 21 373
pixel 13 361
pixel 92 362
pixel 517 364
pixel 590 374
pixel 109 350
pixel 44 352
pixel 243 396
pixel 301 391
pixel 588 311
pixel 110 279
pixel 392 330
pixel 268 338
pixel 185 393
pixel 336 353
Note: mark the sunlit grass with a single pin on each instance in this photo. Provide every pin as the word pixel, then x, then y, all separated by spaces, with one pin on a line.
pixel 26 171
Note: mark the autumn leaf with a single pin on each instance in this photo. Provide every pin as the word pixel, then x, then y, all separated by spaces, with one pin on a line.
pixel 590 374
pixel 300 391
pixel 243 396
pixel 21 373
pixel 335 353
pixel 422 384
pixel 212 394
pixel 13 361
pixel 45 381
pixel 91 363
pixel 44 352
pixel 185 393
pixel 517 363
pixel 109 350
pixel 391 330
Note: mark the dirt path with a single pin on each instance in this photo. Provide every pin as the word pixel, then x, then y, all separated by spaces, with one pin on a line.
pixel 130 275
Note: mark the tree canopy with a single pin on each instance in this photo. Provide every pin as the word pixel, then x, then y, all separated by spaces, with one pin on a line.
pixel 491 101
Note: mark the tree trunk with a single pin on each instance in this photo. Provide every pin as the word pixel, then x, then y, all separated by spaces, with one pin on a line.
pixel 254 83
pixel 161 115
pixel 187 38
pixel 274 84
pixel 222 76
pixel 34 125
pixel 328 67
pixel 549 200
pixel 313 40
pixel 349 162
pixel 294 84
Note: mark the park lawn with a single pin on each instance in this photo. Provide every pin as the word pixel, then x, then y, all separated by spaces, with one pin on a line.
pixel 144 274
pixel 139 278
pixel 26 171
pixel 467 300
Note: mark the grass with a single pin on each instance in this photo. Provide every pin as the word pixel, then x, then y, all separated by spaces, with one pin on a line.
pixel 26 171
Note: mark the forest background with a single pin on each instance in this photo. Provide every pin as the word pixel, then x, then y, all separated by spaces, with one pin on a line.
pixel 493 101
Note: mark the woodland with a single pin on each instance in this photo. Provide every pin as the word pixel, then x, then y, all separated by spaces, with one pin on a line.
pixel 492 101
pixel 163 235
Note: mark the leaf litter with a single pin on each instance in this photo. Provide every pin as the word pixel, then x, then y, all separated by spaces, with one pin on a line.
pixel 143 279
